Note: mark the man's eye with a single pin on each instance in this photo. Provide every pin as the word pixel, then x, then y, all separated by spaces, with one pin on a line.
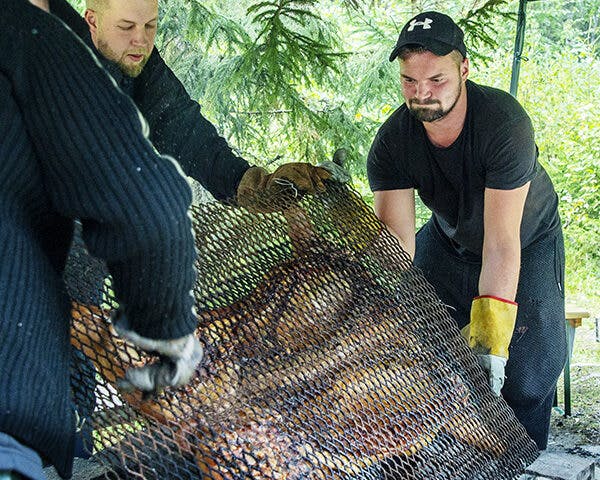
pixel 151 27
pixel 128 27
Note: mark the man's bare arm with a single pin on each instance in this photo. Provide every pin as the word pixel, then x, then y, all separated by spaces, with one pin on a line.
pixel 501 255
pixel 396 208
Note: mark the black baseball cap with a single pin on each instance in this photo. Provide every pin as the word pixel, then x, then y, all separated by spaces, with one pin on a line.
pixel 433 31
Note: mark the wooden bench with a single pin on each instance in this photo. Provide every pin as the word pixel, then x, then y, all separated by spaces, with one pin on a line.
pixel 573 317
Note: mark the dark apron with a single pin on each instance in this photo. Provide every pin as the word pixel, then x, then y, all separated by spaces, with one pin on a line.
pixel 538 348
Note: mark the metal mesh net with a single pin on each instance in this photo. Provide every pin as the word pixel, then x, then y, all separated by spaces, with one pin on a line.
pixel 327 356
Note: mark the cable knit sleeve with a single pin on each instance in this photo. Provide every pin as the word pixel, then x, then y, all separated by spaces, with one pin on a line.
pixel 99 166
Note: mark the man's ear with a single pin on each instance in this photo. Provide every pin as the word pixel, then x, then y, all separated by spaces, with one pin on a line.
pixel 91 19
pixel 464 69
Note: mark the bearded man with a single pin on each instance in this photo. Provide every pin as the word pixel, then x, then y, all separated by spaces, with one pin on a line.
pixel 493 247
pixel 122 34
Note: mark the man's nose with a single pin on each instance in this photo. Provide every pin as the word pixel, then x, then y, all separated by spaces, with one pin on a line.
pixel 422 91
pixel 139 37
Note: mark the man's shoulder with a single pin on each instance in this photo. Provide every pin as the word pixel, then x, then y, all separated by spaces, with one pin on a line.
pixel 157 75
pixel 17 17
pixel 397 124
pixel 24 25
pixel 491 102
pixel 63 10
pixel 398 136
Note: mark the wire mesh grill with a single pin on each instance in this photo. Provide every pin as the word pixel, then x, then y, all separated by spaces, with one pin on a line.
pixel 327 356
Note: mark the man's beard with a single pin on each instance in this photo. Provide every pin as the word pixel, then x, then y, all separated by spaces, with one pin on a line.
pixel 432 114
pixel 129 69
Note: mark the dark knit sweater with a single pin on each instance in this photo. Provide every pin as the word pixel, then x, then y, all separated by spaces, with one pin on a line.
pixel 177 126
pixel 72 146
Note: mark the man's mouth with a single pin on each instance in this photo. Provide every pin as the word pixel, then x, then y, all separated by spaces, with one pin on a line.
pixel 424 104
pixel 136 57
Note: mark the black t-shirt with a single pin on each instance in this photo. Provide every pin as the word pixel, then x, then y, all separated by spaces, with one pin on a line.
pixel 496 149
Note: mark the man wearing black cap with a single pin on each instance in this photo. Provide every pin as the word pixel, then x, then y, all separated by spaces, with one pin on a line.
pixel 493 247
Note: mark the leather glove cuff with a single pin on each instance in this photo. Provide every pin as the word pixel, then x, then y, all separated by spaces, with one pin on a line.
pixel 338 173
pixel 177 347
pixel 253 180
pixel 259 190
pixel 492 324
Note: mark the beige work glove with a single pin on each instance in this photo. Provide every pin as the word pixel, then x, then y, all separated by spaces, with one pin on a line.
pixel 265 192
pixel 489 334
pixel 178 359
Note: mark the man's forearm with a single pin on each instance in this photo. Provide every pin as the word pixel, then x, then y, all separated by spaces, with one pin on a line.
pixel 408 245
pixel 396 209
pixel 500 272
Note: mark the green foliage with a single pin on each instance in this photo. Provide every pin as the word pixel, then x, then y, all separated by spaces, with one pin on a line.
pixel 282 44
pixel 296 79
pixel 291 80
pixel 573 25
pixel 79 5
pixel 481 27
pixel 557 91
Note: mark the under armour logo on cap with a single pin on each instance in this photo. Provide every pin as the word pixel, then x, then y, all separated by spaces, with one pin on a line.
pixel 433 31
pixel 426 24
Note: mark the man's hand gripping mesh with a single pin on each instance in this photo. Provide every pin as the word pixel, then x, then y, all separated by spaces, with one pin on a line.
pixel 489 334
pixel 178 359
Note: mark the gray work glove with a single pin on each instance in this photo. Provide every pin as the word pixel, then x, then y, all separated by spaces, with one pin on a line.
pixel 179 358
pixel 336 166
pixel 494 367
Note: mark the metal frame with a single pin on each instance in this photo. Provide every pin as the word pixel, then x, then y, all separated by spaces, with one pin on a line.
pixel 518 50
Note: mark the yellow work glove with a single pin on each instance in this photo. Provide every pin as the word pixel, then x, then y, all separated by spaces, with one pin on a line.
pixel 268 192
pixel 489 334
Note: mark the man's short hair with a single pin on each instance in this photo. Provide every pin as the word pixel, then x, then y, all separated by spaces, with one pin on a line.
pixel 409 50
pixel 96 5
